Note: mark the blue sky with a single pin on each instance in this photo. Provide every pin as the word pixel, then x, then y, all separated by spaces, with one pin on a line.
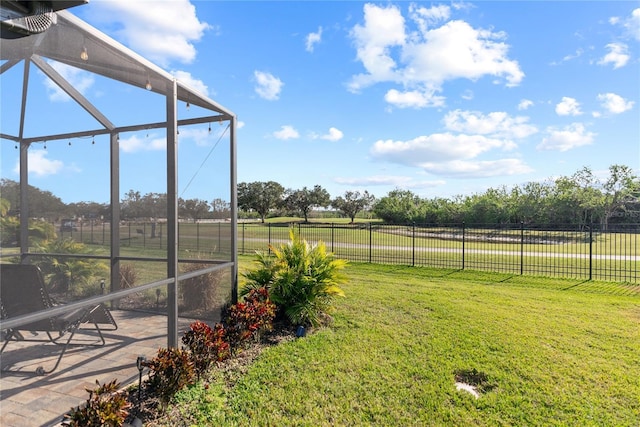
pixel 442 99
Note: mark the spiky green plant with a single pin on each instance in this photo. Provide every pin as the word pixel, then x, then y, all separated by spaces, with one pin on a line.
pixel 69 273
pixel 302 279
pixel 10 227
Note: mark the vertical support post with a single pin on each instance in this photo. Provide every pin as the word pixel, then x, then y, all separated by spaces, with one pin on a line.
pixel 114 195
pixel 172 215
pixel 521 247
pixel 243 227
pixel 24 168
pixel 234 208
pixel 269 239
pixel 413 245
pixel 197 236
pixel 591 252
pixel 463 242
pixel 370 242
pixel 332 237
pixel 24 199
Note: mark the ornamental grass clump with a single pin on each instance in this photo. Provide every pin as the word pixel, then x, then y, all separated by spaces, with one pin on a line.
pixel 302 280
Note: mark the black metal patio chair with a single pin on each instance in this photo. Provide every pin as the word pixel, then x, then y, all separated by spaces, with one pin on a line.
pixel 22 292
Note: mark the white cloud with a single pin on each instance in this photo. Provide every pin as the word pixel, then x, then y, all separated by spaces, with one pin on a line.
pixel 313 39
pixel 267 85
pixel 631 24
pixel 201 135
pixel 614 104
pixel 467 95
pixel 383 29
pixel 578 53
pixel 478 169
pixel 618 55
pixel 196 84
pixel 134 143
pixel 525 104
pixel 40 165
pixel 421 61
pixel 389 180
pixel 568 107
pixel 453 155
pixel 286 132
pixel 333 135
pixel 425 17
pixel 163 32
pixel 79 79
pixel 496 124
pixel 439 147
pixel 413 99
pixel 572 136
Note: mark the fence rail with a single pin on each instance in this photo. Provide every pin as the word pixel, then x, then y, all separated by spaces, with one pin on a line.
pixel 589 254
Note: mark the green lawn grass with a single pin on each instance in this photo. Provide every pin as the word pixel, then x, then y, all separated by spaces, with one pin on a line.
pixel 555 352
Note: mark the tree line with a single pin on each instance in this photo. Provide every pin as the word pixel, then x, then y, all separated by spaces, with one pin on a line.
pixel 134 205
pixel 577 200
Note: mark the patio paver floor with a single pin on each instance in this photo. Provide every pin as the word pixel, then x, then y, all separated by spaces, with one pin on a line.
pixel 27 399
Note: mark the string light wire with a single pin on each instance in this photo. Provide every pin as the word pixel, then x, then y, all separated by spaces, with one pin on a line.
pixel 205 160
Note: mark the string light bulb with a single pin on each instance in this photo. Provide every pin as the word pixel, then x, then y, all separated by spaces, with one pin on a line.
pixel 84 55
pixel 209 127
pixel 188 105
pixel 45 145
pixel 93 140
pixel 69 143
pixel 148 85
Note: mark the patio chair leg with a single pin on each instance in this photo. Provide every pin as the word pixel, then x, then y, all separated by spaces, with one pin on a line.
pixel 40 369
pixel 11 334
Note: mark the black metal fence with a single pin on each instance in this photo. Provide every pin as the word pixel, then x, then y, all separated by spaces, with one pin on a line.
pixel 589 254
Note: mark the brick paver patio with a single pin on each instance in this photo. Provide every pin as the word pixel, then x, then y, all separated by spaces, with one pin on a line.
pixel 27 399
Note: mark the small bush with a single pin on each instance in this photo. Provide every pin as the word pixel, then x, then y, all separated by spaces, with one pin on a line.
pixel 206 345
pixel 200 292
pixel 170 371
pixel 248 319
pixel 104 407
pixel 302 280
pixel 128 276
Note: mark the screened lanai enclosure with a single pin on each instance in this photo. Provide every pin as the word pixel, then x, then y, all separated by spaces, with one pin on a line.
pixel 83 115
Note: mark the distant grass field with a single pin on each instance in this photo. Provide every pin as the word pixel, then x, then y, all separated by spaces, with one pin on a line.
pixel 554 353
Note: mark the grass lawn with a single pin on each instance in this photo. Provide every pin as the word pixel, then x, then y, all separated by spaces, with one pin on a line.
pixel 554 352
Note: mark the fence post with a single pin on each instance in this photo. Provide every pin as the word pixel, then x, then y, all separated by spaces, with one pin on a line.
pixel 219 237
pixel 269 239
pixel 370 242
pixel 243 225
pixel 521 247
pixel 332 237
pixel 591 251
pixel 413 245
pixel 463 242
pixel 197 236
